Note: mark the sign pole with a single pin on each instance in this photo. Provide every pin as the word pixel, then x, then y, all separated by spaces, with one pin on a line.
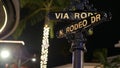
pixel 78 55
pixel 78 49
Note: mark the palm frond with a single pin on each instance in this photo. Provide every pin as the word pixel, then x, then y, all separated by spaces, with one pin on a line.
pixel 24 3
pixel 34 11
pixel 101 55
pixel 19 30
pixel 34 17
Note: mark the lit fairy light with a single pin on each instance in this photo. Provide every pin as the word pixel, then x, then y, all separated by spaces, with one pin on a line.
pixel 45 45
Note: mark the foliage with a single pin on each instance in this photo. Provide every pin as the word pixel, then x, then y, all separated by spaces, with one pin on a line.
pixel 101 56
pixel 34 11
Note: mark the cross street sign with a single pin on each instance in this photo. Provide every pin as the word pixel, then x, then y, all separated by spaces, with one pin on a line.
pixel 79 19
pixel 87 22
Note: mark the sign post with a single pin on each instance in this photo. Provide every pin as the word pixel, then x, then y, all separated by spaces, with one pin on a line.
pixel 78 48
pixel 86 17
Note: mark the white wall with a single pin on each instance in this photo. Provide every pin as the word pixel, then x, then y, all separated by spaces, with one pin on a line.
pixel 86 65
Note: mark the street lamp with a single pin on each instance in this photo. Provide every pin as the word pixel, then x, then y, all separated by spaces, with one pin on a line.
pixel 5 54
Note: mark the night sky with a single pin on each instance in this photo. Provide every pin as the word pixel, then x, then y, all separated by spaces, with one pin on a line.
pixel 105 36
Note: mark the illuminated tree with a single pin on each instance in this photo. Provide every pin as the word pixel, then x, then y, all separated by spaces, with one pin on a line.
pixel 34 11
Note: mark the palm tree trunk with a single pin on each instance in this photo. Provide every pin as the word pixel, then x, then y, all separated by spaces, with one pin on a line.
pixel 45 42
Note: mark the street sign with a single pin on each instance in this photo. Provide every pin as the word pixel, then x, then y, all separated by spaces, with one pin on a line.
pixel 71 15
pixel 84 23
pixel 85 17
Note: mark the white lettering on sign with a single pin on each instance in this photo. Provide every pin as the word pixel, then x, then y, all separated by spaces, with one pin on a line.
pixel 76 15
pixel 61 15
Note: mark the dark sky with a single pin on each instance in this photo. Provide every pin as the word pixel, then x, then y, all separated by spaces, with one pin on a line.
pixel 105 36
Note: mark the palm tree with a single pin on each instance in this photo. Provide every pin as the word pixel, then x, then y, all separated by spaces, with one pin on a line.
pixel 34 11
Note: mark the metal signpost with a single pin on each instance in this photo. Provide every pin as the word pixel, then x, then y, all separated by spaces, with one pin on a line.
pixel 84 18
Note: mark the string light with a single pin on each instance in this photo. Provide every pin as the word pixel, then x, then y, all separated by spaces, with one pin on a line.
pixel 45 45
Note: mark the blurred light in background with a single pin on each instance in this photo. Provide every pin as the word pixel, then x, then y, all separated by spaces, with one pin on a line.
pixel 5 54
